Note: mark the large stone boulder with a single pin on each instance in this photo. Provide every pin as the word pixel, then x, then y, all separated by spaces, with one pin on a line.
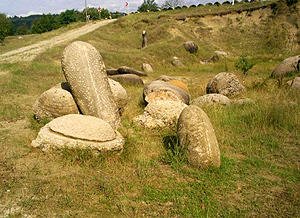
pixel 160 113
pixel 128 79
pixel 295 83
pixel 175 81
pixel 53 103
pixel 147 68
pixel 119 94
pixel 211 99
pixel 160 90
pixel 84 70
pixel 191 46
pixel 226 84
pixel 289 65
pixel 128 70
pixel 196 134
pixel 77 131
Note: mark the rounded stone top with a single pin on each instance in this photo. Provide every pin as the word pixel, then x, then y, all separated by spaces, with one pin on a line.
pixel 83 127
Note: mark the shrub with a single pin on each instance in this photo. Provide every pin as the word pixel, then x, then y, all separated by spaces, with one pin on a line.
pixel 243 64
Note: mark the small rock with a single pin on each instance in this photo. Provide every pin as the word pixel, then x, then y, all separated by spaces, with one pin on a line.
pixel 176 62
pixel 147 68
pixel 119 94
pixel 211 99
pixel 191 46
pixel 128 79
pixel 196 134
pixel 295 83
pixel 128 70
pixel 226 84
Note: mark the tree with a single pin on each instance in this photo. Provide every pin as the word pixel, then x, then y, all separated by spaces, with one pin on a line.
pixel 5 27
pixel 172 3
pixel 148 5
pixel 68 16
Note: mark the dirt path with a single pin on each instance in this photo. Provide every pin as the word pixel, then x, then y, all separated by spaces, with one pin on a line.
pixel 28 53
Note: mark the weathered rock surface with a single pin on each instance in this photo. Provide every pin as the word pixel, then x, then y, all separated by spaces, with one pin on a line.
pixel 78 131
pixel 119 94
pixel 211 99
pixel 196 133
pixel 128 79
pixel 84 70
pixel 53 103
pixel 176 62
pixel 112 71
pixel 160 113
pixel 147 68
pixel 128 70
pixel 289 65
pixel 191 46
pixel 295 83
pixel 226 84
pixel 159 90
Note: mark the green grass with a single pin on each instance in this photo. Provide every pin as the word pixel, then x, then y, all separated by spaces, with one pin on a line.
pixel 259 143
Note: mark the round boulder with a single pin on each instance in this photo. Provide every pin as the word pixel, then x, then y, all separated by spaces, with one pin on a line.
pixel 53 103
pixel 196 134
pixel 78 131
pixel 176 62
pixel 191 46
pixel 211 99
pixel 160 90
pixel 119 94
pixel 226 84
pixel 289 65
pixel 160 113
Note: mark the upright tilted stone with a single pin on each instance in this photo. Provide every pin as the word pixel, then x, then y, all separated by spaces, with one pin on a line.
pixel 84 69
pixel 196 133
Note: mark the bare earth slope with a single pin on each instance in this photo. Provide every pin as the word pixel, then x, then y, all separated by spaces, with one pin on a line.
pixel 28 53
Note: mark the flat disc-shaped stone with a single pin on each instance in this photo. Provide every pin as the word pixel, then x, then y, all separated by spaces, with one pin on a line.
pixel 83 127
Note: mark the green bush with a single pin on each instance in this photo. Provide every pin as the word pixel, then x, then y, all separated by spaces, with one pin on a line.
pixel 243 64
pixel 5 27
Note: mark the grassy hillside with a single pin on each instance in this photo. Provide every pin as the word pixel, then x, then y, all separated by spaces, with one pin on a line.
pixel 259 143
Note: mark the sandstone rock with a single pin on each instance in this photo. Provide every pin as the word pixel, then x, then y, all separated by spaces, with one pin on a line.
pixel 191 46
pixel 53 103
pixel 226 84
pixel 289 65
pixel 78 131
pixel 176 62
pixel 295 83
pixel 221 53
pixel 84 70
pixel 211 99
pixel 159 90
pixel 179 84
pixel 160 113
pixel 128 70
pixel 128 79
pixel 119 94
pixel 196 134
pixel 147 68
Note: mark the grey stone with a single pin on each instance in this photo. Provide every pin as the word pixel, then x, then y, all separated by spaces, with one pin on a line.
pixel 211 99
pixel 191 46
pixel 295 83
pixel 128 79
pixel 176 62
pixel 84 70
pixel 147 68
pixel 196 134
pixel 119 94
pixel 226 84
pixel 128 70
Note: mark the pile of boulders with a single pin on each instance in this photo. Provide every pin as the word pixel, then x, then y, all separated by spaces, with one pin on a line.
pixel 86 109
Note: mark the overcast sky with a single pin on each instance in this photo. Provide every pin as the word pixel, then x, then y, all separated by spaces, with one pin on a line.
pixel 28 7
